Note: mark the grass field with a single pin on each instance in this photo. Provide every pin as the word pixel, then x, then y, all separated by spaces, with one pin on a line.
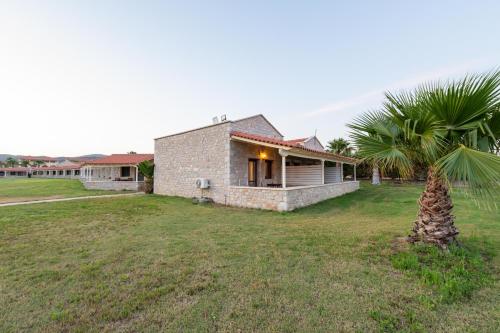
pixel 155 263
pixel 27 189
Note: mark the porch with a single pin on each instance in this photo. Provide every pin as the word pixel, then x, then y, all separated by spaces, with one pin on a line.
pixel 112 177
pixel 279 176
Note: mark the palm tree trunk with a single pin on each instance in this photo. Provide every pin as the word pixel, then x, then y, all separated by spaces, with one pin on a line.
pixel 375 176
pixel 434 222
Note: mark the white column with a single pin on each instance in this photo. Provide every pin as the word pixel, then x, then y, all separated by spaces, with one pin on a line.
pixel 323 172
pixel 90 174
pixel 136 173
pixel 283 171
pixel 341 172
pixel 354 172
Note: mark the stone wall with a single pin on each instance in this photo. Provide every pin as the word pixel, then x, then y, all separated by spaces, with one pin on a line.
pixel 241 152
pixel 255 197
pixel 286 199
pixel 308 195
pixel 256 125
pixel 182 158
pixel 314 143
pixel 113 185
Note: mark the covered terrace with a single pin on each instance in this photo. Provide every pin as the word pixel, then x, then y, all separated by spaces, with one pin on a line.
pixel 278 174
pixel 115 172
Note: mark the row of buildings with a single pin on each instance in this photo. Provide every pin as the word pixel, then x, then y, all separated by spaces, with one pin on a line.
pixel 245 163
pixel 114 172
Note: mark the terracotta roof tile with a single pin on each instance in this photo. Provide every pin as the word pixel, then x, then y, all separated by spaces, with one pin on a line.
pixel 291 144
pixel 122 159
pixel 44 168
pixel 295 141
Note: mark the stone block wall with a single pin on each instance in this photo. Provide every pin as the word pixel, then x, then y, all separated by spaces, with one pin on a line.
pixel 241 152
pixel 254 197
pixel 113 185
pixel 314 143
pixel 309 195
pixel 256 125
pixel 286 199
pixel 182 158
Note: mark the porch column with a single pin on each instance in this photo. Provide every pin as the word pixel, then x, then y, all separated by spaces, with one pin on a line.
pixel 90 174
pixel 354 172
pixel 283 171
pixel 342 172
pixel 323 172
pixel 136 174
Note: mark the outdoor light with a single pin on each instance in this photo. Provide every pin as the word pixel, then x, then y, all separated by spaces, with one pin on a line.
pixel 262 155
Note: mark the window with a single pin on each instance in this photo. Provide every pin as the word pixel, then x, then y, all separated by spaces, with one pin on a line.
pixel 125 172
pixel 269 169
pixel 68 172
pixel 61 173
pixel 77 172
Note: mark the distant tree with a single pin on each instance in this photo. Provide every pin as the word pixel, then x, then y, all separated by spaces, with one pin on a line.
pixel 38 163
pixel 25 163
pixel 147 168
pixel 340 146
pixel 11 162
pixel 131 152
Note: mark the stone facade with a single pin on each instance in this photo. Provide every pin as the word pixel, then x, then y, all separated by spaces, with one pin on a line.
pixel 181 159
pixel 308 195
pixel 256 125
pixel 241 152
pixel 313 143
pixel 257 197
pixel 113 185
pixel 288 198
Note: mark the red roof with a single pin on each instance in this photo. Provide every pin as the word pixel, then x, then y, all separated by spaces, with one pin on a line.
pixel 290 144
pixel 295 141
pixel 122 159
pixel 17 169
pixel 37 158
pixel 45 168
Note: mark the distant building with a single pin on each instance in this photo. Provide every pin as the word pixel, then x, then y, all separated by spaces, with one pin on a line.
pixel 115 172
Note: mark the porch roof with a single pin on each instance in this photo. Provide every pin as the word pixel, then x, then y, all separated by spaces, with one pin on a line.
pixel 121 159
pixel 291 146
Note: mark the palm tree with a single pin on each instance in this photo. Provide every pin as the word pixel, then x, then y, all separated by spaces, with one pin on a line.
pixel 11 162
pixel 147 169
pixel 448 129
pixel 339 146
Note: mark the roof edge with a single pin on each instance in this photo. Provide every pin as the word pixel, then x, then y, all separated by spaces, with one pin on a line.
pixel 221 123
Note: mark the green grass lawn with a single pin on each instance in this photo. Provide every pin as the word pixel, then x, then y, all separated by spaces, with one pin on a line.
pixel 154 263
pixel 26 189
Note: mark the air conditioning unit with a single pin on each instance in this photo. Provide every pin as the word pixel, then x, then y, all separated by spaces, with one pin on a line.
pixel 202 183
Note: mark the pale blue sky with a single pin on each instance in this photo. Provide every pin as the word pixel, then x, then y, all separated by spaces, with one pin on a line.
pixel 80 77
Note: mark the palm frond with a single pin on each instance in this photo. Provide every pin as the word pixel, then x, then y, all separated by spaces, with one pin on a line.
pixel 478 171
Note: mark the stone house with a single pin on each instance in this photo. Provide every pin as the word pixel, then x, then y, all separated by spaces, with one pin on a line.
pixel 248 163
